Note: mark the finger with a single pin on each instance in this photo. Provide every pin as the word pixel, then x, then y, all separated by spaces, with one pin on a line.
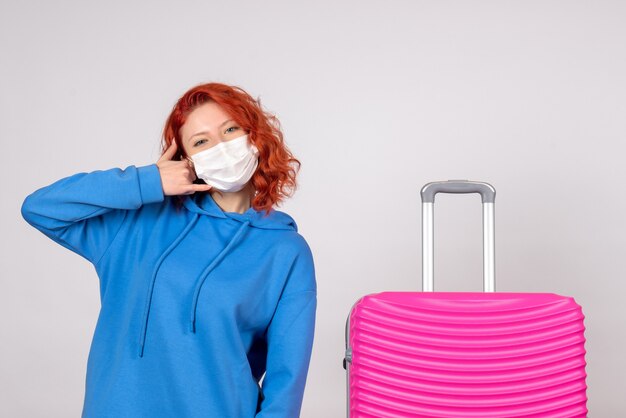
pixel 201 187
pixel 190 172
pixel 169 152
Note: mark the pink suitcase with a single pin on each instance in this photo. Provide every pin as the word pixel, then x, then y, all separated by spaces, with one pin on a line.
pixel 464 354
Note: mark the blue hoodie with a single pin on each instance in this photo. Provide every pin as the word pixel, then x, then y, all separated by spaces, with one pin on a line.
pixel 196 304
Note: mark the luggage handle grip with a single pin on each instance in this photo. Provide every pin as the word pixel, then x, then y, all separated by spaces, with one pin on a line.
pixel 488 195
pixel 486 191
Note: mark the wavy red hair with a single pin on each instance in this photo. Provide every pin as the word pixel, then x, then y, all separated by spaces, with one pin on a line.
pixel 275 176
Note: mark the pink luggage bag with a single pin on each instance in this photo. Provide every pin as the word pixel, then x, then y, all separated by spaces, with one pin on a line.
pixel 464 354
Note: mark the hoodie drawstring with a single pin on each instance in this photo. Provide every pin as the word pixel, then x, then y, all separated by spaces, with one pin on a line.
pixel 205 273
pixel 199 282
pixel 142 338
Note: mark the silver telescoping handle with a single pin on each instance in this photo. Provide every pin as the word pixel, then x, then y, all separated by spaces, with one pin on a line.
pixel 488 194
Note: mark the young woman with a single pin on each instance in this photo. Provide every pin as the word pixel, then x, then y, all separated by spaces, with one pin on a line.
pixel 204 287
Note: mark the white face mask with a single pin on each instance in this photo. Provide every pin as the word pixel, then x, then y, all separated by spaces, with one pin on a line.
pixel 227 166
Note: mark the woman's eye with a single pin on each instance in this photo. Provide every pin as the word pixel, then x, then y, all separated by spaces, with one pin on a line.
pixel 232 127
pixel 197 142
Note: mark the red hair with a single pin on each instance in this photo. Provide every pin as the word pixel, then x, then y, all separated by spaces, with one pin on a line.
pixel 274 178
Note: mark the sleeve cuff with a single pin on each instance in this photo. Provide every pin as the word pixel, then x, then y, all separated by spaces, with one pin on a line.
pixel 150 184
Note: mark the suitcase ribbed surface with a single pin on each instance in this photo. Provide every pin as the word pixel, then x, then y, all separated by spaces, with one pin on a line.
pixel 460 354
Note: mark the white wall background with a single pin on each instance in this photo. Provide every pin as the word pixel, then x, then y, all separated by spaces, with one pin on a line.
pixel 376 99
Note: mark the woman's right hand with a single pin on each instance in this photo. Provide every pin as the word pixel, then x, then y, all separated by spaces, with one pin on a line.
pixel 177 177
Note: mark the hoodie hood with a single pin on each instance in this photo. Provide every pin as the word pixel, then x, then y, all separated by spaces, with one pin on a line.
pixel 204 205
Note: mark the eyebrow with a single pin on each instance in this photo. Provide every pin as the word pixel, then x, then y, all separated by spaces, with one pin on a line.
pixel 206 132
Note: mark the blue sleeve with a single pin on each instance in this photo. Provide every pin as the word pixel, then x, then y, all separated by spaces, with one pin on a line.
pixel 289 342
pixel 84 212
